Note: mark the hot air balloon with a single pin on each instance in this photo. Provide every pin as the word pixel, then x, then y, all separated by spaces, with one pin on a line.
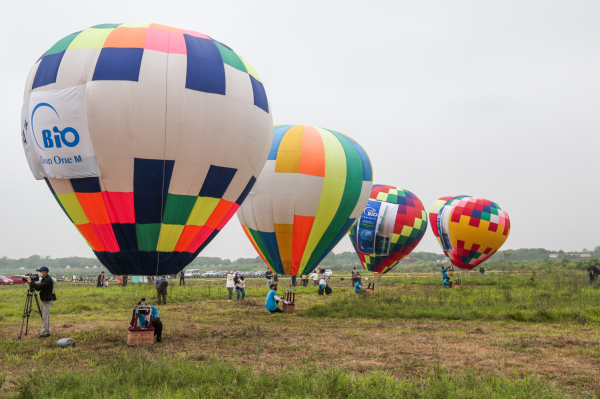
pixel 149 137
pixel 390 227
pixel 315 184
pixel 433 215
pixel 471 230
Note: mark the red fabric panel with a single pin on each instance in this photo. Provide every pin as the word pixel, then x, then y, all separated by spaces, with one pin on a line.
pixel 119 207
pixel 302 227
pixel 88 232
pixel 107 236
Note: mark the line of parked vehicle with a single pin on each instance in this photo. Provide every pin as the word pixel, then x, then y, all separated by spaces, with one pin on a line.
pixel 195 273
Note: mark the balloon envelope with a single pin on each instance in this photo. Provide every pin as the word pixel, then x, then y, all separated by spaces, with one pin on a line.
pixel 313 187
pixel 149 137
pixel 408 225
pixel 471 230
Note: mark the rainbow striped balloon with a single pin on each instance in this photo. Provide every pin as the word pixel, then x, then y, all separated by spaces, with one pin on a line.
pixel 316 182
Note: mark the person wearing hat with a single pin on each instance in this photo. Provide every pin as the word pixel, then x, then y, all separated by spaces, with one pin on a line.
pixel 593 272
pixel 46 287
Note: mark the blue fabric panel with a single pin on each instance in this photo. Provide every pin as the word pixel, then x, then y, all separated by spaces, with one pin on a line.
pixel 86 185
pixel 119 64
pixel 246 191
pixel 260 96
pixel 205 69
pixel 49 185
pixel 144 263
pixel 340 235
pixel 150 192
pixel 270 240
pixel 364 158
pixel 126 236
pixel 216 182
pixel 278 133
pixel 47 70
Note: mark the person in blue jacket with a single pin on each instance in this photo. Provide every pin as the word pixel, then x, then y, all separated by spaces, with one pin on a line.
pixel 272 299
pixel 359 287
pixel 446 283
pixel 156 323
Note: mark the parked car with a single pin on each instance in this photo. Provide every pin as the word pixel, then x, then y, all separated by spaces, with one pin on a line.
pixel 328 273
pixel 5 280
pixel 208 274
pixel 18 279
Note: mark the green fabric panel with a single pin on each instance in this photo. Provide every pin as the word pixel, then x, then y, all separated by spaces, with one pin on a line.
pixel 106 26
pixel 147 236
pixel 62 44
pixel 230 58
pixel 392 198
pixel 352 189
pixel 261 245
pixel 63 208
pixel 178 208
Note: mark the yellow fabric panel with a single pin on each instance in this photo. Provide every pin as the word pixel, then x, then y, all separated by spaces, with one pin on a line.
pixel 290 151
pixel 135 25
pixel 285 238
pixel 418 223
pixel 73 207
pixel 395 238
pixel 250 69
pixel 333 190
pixel 90 38
pixel 476 235
pixel 202 210
pixel 382 196
pixel 406 230
pixel 169 235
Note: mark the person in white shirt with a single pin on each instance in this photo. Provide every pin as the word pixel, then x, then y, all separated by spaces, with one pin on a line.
pixel 230 284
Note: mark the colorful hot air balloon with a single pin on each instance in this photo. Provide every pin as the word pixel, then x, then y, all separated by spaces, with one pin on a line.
pixel 387 233
pixel 150 137
pixel 315 184
pixel 433 216
pixel 471 230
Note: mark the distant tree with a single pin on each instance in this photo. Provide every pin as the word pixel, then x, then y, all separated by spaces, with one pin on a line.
pixel 561 254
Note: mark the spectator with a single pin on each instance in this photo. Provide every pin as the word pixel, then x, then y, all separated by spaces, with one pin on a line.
pixel 120 281
pixel 269 276
pixel 106 283
pixel 240 287
pixel 125 278
pixel 359 287
pixel 100 282
pixel 315 277
pixel 46 288
pixel 593 272
pixel 355 276
pixel 162 284
pixel 182 278
pixel 230 284
pixel 293 280
pixel 323 286
pixel 305 280
pixel 482 270
pixel 272 299
pixel 156 322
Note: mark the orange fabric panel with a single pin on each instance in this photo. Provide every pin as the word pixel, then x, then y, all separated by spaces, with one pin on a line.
pixel 187 236
pixel 219 213
pixel 302 227
pixel 87 231
pixel 126 38
pixel 312 161
pixel 94 207
pixel 164 28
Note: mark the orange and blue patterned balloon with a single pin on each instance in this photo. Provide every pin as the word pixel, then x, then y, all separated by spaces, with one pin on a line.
pixel 409 227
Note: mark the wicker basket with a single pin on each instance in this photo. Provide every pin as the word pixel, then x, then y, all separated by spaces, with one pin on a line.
pixel 450 272
pixel 143 337
pixel 455 285
pixel 289 308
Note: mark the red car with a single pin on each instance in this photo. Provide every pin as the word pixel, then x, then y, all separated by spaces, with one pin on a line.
pixel 18 279
pixel 5 281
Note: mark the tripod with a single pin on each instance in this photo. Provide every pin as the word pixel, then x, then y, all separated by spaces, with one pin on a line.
pixel 28 308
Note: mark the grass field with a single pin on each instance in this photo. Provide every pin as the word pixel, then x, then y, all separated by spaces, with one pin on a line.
pixel 500 336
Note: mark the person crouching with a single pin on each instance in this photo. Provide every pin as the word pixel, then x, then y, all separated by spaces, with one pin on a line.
pixel 156 322
pixel 272 299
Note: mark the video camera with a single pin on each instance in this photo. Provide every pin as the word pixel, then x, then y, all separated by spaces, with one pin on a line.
pixel 33 276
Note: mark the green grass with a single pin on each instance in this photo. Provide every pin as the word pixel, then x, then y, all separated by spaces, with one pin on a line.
pixel 143 376
pixel 565 297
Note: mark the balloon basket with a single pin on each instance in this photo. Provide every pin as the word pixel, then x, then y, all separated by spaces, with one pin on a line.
pixel 450 272
pixel 289 301
pixel 371 289
pixel 140 337
pixel 377 277
pixel 289 308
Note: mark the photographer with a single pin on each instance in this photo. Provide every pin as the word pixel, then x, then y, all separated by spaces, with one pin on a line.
pixel 46 287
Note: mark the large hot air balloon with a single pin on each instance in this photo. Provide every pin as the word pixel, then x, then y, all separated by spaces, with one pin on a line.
pixel 150 137
pixel 390 227
pixel 471 230
pixel 315 184
pixel 433 216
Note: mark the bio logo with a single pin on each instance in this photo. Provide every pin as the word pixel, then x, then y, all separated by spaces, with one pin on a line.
pixel 60 137
pixel 371 212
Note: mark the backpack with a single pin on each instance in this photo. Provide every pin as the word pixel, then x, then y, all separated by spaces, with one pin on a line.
pixel 163 284
pixel 591 272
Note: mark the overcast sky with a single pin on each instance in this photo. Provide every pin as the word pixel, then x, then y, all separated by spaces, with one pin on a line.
pixel 496 99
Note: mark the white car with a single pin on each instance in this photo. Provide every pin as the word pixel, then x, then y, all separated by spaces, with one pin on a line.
pixel 328 273
pixel 208 274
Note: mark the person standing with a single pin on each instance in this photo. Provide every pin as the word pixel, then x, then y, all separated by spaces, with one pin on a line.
pixel 125 278
pixel 315 277
pixel 100 282
pixel 46 288
pixel 240 287
pixel 182 278
pixel 593 272
pixel 272 299
pixel 293 280
pixel 162 285
pixel 230 284
pixel 355 276
pixel 120 281
pixel 482 270
pixel 269 276
pixel 305 280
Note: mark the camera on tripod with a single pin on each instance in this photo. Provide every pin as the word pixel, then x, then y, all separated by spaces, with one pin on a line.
pixel 33 276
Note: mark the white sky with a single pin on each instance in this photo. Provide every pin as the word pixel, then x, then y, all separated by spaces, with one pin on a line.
pixel 496 99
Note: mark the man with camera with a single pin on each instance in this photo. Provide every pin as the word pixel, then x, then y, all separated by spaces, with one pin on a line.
pixel 46 288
